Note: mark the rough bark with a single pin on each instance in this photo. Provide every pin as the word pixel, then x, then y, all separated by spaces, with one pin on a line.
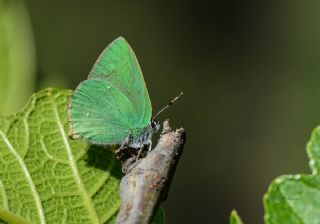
pixel 147 182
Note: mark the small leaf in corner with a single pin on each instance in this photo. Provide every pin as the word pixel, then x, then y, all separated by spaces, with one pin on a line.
pixel 295 199
pixel 159 217
pixel 234 218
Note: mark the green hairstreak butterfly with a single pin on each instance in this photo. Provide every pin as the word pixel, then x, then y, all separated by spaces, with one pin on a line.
pixel 112 107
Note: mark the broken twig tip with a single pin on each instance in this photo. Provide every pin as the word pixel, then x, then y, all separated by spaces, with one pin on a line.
pixel 166 127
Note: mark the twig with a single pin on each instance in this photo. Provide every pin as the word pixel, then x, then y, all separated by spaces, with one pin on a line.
pixel 146 185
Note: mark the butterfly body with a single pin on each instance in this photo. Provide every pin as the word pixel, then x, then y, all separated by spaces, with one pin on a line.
pixel 142 140
pixel 112 107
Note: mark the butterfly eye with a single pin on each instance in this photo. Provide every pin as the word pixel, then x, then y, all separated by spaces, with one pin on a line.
pixel 155 125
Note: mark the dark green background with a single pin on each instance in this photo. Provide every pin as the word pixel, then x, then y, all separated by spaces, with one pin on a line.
pixel 250 72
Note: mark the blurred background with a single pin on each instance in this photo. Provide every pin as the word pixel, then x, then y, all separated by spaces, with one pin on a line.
pixel 250 72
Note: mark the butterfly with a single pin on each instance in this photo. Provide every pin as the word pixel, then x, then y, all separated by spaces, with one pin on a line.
pixel 112 107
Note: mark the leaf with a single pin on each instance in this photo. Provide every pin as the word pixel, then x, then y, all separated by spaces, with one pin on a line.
pixel 47 178
pixel 295 199
pixel 234 218
pixel 313 149
pixel 17 56
pixel 159 217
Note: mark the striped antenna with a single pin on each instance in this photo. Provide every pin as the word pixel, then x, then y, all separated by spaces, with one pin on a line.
pixel 167 106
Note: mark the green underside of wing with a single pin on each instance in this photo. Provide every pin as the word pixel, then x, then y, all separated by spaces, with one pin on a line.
pixel 102 114
pixel 114 101
pixel 118 65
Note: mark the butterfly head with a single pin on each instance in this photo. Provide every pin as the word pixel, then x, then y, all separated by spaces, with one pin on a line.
pixel 155 125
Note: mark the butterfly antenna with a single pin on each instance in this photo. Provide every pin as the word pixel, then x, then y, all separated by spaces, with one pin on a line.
pixel 167 106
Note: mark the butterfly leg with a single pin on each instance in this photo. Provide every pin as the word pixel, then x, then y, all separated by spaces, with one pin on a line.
pixel 150 146
pixel 125 142
pixel 124 145
pixel 140 150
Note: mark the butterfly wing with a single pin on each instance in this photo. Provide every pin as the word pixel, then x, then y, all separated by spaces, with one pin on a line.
pixel 114 101
pixel 119 66
pixel 100 113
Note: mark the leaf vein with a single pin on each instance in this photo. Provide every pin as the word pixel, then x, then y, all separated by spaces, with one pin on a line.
pixel 87 199
pixel 28 177
pixel 291 207
pixel 5 197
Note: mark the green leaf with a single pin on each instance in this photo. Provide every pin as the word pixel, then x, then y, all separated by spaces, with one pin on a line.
pixel 295 199
pixel 47 178
pixel 17 56
pixel 313 149
pixel 159 217
pixel 234 218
